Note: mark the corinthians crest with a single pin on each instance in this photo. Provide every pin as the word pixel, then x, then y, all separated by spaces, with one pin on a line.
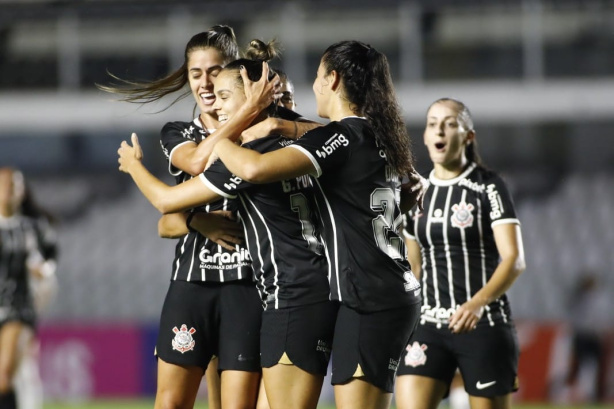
pixel 462 216
pixel 183 340
pixel 415 354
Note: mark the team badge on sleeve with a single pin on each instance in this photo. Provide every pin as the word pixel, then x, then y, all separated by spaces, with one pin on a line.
pixel 415 354
pixel 461 216
pixel 183 340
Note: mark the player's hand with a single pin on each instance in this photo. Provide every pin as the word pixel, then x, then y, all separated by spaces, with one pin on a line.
pixel 415 189
pixel 466 317
pixel 220 227
pixel 260 130
pixel 261 93
pixel 128 155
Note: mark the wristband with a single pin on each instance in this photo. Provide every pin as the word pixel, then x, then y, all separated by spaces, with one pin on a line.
pixel 188 220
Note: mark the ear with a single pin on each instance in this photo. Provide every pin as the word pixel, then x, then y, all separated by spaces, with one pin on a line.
pixel 470 137
pixel 335 80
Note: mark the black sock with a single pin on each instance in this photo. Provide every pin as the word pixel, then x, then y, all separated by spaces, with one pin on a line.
pixel 8 401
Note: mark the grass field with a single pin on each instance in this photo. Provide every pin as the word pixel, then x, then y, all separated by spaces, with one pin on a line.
pixel 148 404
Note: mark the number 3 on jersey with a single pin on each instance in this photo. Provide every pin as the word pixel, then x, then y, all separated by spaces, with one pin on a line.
pixel 383 201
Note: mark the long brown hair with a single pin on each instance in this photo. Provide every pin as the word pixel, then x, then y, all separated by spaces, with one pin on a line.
pixel 365 75
pixel 220 37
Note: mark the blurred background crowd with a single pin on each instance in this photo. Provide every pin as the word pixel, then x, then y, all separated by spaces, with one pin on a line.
pixel 538 76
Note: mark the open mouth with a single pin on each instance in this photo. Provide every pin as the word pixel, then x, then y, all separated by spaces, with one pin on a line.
pixel 222 118
pixel 207 97
pixel 440 146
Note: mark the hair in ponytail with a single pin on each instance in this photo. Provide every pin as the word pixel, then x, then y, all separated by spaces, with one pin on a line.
pixel 367 85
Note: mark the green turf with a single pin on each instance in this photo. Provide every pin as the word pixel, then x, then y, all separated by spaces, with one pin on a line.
pixel 148 404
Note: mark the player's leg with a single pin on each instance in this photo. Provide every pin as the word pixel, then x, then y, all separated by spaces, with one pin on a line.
pixel 263 401
pixel 496 402
pixel 214 393
pixel 359 393
pixel 240 389
pixel 419 392
pixel 27 380
pixel 367 348
pixel 426 368
pixel 9 357
pixel 291 386
pixel 177 385
pixel 239 344
pixel 187 340
pixel 296 344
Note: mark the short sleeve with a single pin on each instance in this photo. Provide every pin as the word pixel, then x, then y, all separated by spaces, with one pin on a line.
pixel 172 136
pixel 326 148
pixel 219 179
pixel 499 202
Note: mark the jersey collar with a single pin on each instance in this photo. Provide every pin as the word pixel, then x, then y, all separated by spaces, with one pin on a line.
pixel 449 182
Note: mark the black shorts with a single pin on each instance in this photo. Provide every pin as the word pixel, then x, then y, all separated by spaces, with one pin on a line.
pixel 304 333
pixel 202 319
pixel 487 357
pixel 374 341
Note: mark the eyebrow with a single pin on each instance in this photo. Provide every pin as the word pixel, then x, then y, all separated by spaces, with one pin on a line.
pixel 445 117
pixel 214 68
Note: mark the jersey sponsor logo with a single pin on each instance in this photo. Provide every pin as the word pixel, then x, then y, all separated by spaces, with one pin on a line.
pixel 183 341
pixel 393 364
pixel 332 144
pixel 496 207
pixel 472 185
pixel 187 133
pixel 415 354
pixel 233 182
pixel 461 215
pixel 323 346
pixel 219 259
pixel 437 315
pixel 485 385
pixel 286 142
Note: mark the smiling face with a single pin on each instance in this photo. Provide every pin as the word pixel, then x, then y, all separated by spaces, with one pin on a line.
pixel 203 67
pixel 228 95
pixel 445 137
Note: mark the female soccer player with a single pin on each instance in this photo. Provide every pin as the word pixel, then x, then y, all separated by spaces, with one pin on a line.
pixel 466 246
pixel 20 258
pixel 359 159
pixel 212 307
pixel 282 237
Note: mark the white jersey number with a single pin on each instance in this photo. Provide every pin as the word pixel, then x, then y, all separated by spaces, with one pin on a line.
pixel 383 201
pixel 300 206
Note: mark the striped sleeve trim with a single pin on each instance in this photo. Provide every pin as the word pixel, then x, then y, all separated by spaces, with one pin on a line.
pixel 505 221
pixel 313 160
pixel 173 170
pixel 211 186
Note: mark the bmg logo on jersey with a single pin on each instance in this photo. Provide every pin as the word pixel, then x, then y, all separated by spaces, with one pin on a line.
pixel 332 144
pixel 496 207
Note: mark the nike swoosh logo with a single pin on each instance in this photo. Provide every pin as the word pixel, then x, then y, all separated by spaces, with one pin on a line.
pixel 480 385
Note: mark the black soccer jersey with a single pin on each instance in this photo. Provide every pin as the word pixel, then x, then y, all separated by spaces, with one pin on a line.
pixel 458 249
pixel 357 196
pixel 281 232
pixel 196 257
pixel 18 248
